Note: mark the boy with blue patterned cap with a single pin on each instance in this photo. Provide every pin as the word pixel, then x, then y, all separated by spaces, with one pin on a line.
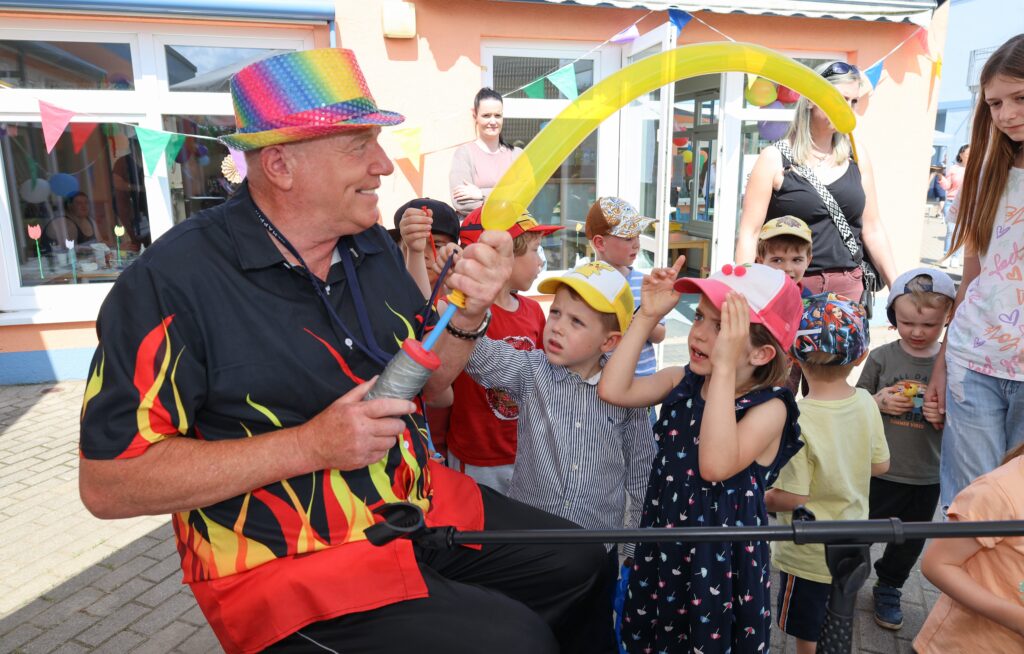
pixel 831 476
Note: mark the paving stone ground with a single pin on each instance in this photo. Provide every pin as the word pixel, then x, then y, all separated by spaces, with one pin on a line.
pixel 72 583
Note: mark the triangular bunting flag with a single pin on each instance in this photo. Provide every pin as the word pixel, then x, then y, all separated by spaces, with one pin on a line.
pixel 875 73
pixel 922 38
pixel 751 79
pixel 174 147
pixel 240 163
pixel 80 133
pixel 564 80
pixel 55 120
pixel 625 36
pixel 679 18
pixel 410 140
pixel 153 143
pixel 535 89
pixel 937 67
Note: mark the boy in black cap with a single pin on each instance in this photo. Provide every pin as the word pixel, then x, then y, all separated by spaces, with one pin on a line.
pixel 897 374
pixel 420 217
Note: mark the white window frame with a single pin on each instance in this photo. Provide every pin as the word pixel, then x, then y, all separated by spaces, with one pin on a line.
pixel 606 61
pixel 145 106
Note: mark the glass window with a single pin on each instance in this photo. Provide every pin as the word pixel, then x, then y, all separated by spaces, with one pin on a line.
pixel 565 198
pixel 511 73
pixel 197 180
pixel 66 65
pixel 193 68
pixel 79 213
pixel 766 93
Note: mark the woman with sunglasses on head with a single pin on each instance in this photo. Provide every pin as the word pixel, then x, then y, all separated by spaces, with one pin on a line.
pixel 781 184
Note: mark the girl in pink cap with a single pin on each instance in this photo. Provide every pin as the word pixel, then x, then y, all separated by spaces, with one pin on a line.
pixel 726 429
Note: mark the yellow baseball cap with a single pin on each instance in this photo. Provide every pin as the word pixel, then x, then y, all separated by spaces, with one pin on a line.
pixel 786 226
pixel 601 286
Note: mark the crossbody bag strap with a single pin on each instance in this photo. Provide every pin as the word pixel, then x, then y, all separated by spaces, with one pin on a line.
pixel 834 210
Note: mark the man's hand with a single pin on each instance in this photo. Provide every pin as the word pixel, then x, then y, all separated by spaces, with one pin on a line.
pixel 352 432
pixel 480 273
pixel 415 229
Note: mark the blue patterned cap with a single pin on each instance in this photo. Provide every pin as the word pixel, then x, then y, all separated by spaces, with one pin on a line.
pixel 832 324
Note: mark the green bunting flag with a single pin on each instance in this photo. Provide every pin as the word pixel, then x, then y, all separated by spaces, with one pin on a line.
pixel 535 89
pixel 153 143
pixel 564 80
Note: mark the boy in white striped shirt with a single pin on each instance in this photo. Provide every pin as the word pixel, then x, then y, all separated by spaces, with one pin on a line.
pixel 578 456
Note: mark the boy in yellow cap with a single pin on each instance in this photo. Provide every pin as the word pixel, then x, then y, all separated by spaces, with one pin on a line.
pixel 578 456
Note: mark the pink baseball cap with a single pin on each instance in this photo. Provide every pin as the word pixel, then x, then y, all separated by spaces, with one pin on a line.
pixel 773 297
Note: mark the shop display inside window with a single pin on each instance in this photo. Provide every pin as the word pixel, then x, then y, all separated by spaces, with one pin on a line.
pixel 79 213
pixel 203 174
pixel 66 65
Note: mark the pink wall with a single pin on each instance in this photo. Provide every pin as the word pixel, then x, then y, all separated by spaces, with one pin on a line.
pixel 432 79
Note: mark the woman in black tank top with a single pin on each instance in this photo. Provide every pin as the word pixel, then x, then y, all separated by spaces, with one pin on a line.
pixel 776 189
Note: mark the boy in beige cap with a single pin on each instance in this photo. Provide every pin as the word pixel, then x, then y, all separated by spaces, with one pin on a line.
pixel 613 228
pixel 785 244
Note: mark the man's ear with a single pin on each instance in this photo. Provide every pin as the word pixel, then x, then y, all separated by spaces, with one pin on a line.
pixel 611 342
pixel 598 243
pixel 762 355
pixel 277 165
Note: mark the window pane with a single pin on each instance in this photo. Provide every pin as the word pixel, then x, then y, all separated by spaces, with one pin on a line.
pixel 510 73
pixel 767 93
pixel 79 214
pixel 66 65
pixel 565 198
pixel 196 179
pixel 209 69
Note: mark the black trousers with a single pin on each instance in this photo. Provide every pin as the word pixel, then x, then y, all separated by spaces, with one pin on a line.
pixel 501 599
pixel 909 503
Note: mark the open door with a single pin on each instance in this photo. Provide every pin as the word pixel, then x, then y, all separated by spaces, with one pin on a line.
pixel 646 138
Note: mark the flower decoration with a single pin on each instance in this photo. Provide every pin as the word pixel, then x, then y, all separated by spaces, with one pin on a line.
pixel 230 170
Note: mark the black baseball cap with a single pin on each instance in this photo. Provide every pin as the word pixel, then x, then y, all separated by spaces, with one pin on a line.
pixel 446 221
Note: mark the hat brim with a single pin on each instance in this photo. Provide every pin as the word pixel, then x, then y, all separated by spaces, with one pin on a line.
pixel 590 295
pixel 641 224
pixel 543 230
pixel 714 290
pixel 254 140
pixel 786 231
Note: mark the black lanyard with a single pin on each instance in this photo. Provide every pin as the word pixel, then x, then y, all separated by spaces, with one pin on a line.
pixel 371 348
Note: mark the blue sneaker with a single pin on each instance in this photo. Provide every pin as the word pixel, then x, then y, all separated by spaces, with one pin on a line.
pixel 888 613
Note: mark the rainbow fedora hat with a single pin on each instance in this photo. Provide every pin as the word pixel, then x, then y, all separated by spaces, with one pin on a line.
pixel 301 95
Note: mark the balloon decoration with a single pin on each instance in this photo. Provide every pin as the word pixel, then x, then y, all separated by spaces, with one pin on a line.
pixel 542 156
pixel 762 92
pixel 772 130
pixel 34 191
pixel 680 141
pixel 687 156
pixel 787 95
pixel 63 185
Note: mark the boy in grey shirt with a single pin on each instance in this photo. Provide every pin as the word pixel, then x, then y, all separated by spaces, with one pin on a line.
pixel 897 374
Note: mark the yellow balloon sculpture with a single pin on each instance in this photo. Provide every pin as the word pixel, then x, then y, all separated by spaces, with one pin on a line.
pixel 539 160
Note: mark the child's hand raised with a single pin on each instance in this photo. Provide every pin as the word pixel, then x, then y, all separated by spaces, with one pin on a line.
pixel 443 253
pixel 658 295
pixel 733 340
pixel 415 229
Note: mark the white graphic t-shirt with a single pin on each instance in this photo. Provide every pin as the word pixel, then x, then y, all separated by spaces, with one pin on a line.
pixel 987 333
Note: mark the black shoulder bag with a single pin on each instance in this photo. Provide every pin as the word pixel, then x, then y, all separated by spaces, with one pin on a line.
pixel 872 280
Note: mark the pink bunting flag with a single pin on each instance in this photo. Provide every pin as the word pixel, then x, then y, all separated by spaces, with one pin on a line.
pixel 80 133
pixel 55 120
pixel 922 38
pixel 627 35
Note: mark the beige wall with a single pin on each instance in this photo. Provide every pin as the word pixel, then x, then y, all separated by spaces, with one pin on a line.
pixel 432 79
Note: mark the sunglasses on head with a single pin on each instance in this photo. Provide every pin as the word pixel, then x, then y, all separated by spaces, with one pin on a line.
pixel 839 68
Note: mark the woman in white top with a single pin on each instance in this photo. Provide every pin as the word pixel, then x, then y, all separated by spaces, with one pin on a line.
pixel 479 165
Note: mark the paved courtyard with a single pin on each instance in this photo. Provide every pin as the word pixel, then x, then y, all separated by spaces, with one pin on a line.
pixel 72 583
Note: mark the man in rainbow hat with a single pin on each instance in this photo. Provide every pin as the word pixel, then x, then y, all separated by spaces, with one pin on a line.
pixel 228 390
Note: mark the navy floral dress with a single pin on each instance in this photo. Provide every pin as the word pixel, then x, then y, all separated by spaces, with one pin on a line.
pixel 703 597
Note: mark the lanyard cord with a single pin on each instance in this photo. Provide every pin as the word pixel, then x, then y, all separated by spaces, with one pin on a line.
pixel 373 351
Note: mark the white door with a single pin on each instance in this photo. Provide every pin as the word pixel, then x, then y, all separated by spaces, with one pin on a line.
pixel 645 139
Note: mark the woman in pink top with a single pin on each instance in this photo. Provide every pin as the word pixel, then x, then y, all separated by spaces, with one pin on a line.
pixel 982 579
pixel 478 165
pixel 951 183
